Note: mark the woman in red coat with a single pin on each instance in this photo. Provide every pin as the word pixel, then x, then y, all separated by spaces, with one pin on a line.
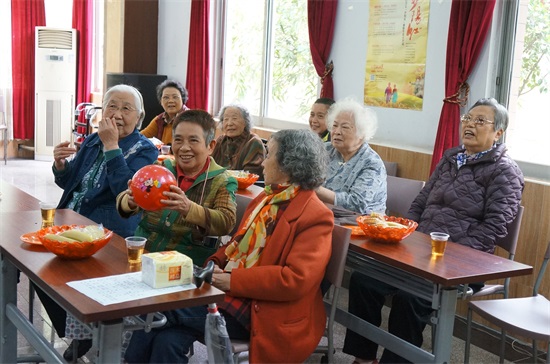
pixel 271 270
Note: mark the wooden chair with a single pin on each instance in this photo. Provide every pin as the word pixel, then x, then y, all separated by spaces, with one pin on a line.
pixel 401 194
pixel 508 243
pixel 242 204
pixel 334 273
pixel 526 316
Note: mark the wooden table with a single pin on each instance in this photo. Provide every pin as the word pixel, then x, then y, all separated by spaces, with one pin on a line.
pixel 14 199
pixel 51 274
pixel 252 191
pixel 410 266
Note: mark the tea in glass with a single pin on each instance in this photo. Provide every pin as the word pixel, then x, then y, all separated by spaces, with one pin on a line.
pixel 47 210
pixel 135 246
pixel 439 243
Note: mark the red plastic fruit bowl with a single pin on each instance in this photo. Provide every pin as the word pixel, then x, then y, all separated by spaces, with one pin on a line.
pixel 386 234
pixel 72 250
pixel 244 183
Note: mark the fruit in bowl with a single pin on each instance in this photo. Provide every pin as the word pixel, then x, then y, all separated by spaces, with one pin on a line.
pixel 244 179
pixel 75 241
pixel 387 229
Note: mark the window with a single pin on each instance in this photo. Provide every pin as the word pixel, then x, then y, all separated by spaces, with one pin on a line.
pixel 267 61
pixel 529 97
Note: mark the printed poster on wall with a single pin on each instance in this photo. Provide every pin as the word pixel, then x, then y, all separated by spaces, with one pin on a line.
pixel 396 53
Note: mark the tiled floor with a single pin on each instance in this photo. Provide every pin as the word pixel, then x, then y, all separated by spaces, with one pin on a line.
pixel 35 178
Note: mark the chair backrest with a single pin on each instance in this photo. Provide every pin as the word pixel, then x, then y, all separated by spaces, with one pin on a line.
pixel 541 273
pixel 391 168
pixel 242 204
pixel 510 241
pixel 340 243
pixel 401 194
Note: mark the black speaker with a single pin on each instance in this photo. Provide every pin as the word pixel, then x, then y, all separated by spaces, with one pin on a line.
pixel 147 85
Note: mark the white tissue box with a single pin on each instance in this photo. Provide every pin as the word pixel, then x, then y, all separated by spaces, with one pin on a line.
pixel 166 269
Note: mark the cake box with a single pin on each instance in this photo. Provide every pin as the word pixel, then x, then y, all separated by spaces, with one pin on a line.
pixel 166 269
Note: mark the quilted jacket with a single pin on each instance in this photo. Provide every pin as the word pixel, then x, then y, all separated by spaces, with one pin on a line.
pixel 472 204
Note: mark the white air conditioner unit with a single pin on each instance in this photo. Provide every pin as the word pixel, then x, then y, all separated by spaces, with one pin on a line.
pixel 55 88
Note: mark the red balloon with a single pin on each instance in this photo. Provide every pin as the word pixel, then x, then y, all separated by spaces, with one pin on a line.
pixel 149 183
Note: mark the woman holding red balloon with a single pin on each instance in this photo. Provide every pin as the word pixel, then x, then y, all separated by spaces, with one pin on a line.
pixel 200 202
pixel 271 270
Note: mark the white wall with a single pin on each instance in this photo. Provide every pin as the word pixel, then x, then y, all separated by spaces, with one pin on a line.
pixel 173 38
pixel 405 129
pixel 59 13
pixel 414 130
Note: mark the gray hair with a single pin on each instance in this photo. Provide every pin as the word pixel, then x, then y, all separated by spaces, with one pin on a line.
pixel 365 119
pixel 130 90
pixel 244 113
pixel 175 84
pixel 199 117
pixel 501 114
pixel 302 155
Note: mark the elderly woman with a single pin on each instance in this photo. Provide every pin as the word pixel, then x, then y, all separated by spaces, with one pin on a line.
pixel 172 96
pixel 271 270
pixel 473 194
pixel 238 148
pixel 356 178
pixel 106 160
pixel 203 203
pixel 318 117
pixel 100 170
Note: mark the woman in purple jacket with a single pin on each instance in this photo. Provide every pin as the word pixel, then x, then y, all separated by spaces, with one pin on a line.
pixel 473 194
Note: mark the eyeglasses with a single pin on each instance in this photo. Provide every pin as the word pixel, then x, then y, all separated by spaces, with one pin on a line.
pixel 126 110
pixel 478 121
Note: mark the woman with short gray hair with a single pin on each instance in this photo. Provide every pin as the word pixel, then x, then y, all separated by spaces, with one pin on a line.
pixel 296 147
pixel 356 176
pixel 238 148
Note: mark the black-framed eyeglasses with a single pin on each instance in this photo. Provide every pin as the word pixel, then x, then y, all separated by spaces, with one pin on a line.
pixel 478 120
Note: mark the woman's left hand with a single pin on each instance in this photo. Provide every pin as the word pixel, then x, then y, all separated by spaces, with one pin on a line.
pixel 222 281
pixel 177 200
pixel 108 133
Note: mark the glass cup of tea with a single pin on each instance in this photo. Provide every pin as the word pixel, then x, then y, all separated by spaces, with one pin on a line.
pixel 47 210
pixel 165 149
pixel 135 246
pixel 439 243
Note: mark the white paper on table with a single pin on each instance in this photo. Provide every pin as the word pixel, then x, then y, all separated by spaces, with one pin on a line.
pixel 121 288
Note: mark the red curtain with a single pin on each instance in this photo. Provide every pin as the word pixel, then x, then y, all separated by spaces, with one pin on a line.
pixel 198 66
pixel 83 22
pixel 321 17
pixel 468 27
pixel 25 15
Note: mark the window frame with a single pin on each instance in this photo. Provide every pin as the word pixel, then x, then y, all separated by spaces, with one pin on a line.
pixel 218 49
pixel 507 38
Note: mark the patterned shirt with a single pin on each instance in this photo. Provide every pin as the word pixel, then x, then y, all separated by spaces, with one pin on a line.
pixel 360 183
pixel 462 158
